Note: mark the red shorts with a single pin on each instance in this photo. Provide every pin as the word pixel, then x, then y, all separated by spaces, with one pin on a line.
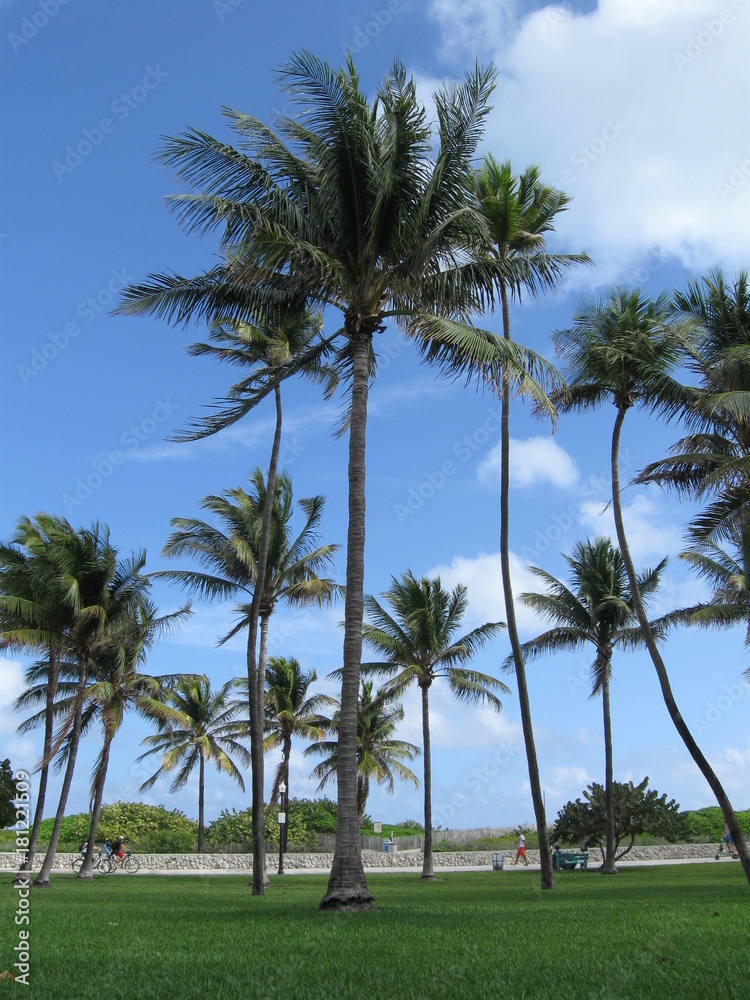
pixel 520 853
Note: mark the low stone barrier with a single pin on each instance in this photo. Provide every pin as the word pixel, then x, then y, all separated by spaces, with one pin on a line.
pixel 370 859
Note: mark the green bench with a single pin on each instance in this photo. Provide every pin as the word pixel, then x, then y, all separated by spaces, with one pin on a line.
pixel 567 860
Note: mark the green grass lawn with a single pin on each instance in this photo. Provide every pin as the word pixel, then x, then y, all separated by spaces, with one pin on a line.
pixel 673 931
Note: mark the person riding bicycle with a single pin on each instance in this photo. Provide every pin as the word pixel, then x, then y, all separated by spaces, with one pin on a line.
pixel 115 848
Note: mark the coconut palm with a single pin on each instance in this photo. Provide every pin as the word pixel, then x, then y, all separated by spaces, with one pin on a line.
pixel 624 348
pixel 270 352
pixel 520 212
pixel 725 574
pixel 233 556
pixel 33 617
pixel 419 644
pixel 379 756
pixel 363 206
pixel 102 591
pixel 120 684
pixel 289 712
pixel 201 726
pixel 595 609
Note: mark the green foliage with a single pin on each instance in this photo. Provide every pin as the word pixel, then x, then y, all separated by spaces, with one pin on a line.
pixel 709 823
pixel 637 810
pixel 135 821
pixel 306 817
pixel 7 794
pixel 166 842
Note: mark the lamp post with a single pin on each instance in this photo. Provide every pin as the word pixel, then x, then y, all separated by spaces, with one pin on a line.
pixel 282 825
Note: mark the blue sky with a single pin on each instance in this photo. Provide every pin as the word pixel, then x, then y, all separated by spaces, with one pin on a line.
pixel 636 108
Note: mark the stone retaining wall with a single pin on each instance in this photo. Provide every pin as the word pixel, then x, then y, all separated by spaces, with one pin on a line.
pixel 370 859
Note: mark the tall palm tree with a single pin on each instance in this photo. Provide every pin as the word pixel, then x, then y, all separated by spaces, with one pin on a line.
pixel 289 712
pixel 379 755
pixel 625 348
pixel 202 725
pixel 520 212
pixel 233 558
pixel 419 644
pixel 725 574
pixel 363 206
pixel 271 351
pixel 33 617
pixel 119 684
pixel 595 609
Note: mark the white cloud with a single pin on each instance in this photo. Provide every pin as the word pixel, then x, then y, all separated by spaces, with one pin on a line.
pixel 635 109
pixel 482 577
pixel 532 461
pixel 649 531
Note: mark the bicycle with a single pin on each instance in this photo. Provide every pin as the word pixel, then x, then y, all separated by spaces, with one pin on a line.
pixel 128 863
pixel 100 862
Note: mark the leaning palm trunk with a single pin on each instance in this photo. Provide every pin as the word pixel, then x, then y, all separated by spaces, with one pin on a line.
pixel 87 868
pixel 608 868
pixel 545 856
pixel 427 871
pixel 256 680
pixel 42 879
pixel 347 887
pixel 201 794
pixel 22 878
pixel 693 749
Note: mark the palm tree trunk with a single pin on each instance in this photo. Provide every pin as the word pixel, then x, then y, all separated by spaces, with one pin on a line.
pixel 705 768
pixel 545 856
pixel 608 868
pixel 427 871
pixel 42 880
pixel 87 868
pixel 201 817
pixel 347 887
pixel 22 878
pixel 255 677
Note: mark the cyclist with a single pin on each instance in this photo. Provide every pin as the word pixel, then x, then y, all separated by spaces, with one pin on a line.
pixel 116 849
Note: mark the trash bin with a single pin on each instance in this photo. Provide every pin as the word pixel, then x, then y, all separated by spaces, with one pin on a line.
pixel 497 861
pixel 386 845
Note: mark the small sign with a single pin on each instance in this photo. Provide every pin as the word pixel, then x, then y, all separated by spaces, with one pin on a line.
pixel 377 827
pixel 282 819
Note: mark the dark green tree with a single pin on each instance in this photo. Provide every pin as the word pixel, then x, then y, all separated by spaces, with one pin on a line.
pixel 7 795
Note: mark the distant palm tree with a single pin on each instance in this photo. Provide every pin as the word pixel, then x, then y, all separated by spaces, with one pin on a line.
pixel 520 212
pixel 202 725
pixel 120 684
pixel 290 712
pixel 597 610
pixel 626 348
pixel 419 644
pixel 379 755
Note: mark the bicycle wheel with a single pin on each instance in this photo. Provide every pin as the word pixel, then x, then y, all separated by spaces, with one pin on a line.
pixel 131 865
pixel 104 865
pixel 77 865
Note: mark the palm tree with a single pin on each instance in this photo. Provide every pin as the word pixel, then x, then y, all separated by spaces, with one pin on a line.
pixel 202 725
pixel 520 212
pixel 291 573
pixel 596 609
pixel 289 712
pixel 271 351
pixel 624 348
pixel 33 617
pixel 379 755
pixel 713 460
pixel 120 684
pixel 725 574
pixel 419 643
pixel 367 210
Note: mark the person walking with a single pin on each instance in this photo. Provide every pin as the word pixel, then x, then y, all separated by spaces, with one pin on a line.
pixel 521 852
